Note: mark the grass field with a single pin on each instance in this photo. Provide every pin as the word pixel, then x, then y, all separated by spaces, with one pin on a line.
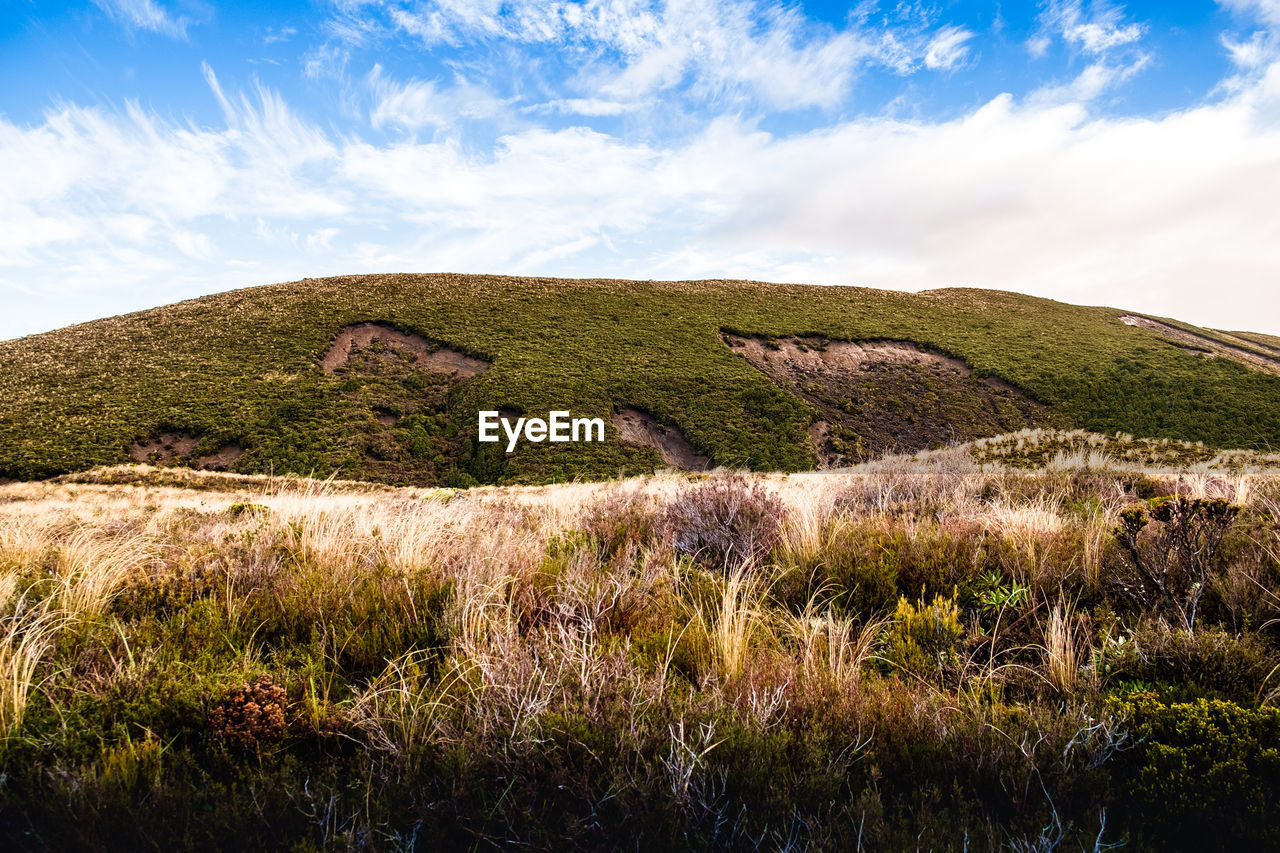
pixel 958 646
pixel 241 370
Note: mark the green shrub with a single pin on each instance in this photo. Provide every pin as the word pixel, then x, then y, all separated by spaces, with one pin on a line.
pixel 1206 663
pixel 1202 775
pixel 923 637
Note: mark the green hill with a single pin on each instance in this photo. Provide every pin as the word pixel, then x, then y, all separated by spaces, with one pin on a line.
pixel 380 377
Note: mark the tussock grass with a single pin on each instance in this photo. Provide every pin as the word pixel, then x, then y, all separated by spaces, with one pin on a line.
pixel 26 638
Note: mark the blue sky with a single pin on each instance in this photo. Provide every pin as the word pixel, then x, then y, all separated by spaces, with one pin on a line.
pixel 1101 153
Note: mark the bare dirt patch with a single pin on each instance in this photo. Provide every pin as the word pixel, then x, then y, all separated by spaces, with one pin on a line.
pixel 169 448
pixel 177 448
pixel 221 459
pixel 877 397
pixel 417 349
pixel 642 429
pixel 1250 355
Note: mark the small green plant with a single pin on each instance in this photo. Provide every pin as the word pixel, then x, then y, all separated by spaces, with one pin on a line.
pixel 995 594
pixel 923 637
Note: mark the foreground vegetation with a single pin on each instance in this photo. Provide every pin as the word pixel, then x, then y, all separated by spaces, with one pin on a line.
pixel 1076 651
pixel 241 371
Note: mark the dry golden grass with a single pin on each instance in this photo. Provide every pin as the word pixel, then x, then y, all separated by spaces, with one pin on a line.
pixel 1063 654
pixel 25 640
pixel 830 646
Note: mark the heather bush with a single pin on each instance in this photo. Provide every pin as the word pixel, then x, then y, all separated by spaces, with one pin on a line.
pixel 724 522
pixel 621 518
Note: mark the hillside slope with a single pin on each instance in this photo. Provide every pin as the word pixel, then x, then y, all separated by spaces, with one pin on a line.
pixel 380 377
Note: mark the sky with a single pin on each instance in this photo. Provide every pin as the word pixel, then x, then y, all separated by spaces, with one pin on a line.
pixel 1091 152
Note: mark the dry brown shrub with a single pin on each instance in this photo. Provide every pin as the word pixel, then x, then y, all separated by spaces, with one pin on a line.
pixel 726 522
pixel 622 518
pixel 250 717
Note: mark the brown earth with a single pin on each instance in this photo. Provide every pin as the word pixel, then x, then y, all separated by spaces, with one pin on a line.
pixel 176 448
pixel 642 429
pixel 221 459
pixel 1247 352
pixel 425 354
pixel 168 449
pixel 877 397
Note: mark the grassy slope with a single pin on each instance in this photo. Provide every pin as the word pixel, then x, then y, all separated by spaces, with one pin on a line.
pixel 242 366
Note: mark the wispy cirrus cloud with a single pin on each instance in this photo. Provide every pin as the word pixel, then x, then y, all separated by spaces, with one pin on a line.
pixel 145 15
pixel 1095 30
pixel 416 104
pixel 948 48
pixel 632 50
pixel 1100 33
pixel 1266 12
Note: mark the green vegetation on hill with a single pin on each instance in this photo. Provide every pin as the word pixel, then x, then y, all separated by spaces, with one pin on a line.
pixel 242 367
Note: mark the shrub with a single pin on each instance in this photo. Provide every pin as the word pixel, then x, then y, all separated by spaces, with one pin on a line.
pixel 619 519
pixel 923 637
pixel 238 509
pixel 250 717
pixel 725 522
pixel 1208 662
pixel 1204 775
pixel 1174 560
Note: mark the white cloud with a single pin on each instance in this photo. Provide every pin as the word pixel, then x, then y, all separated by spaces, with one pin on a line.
pixel 415 104
pixel 591 107
pixel 1100 33
pixel 632 50
pixel 948 48
pixel 1265 11
pixel 144 15
pixel 1254 53
pixel 1172 215
pixel 1096 31
pixel 1096 78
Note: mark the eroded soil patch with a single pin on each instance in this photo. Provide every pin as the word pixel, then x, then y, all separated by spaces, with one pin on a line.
pixel 643 430
pixel 177 448
pixel 221 459
pixel 877 397
pixel 401 414
pixel 1249 354
pixel 391 343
